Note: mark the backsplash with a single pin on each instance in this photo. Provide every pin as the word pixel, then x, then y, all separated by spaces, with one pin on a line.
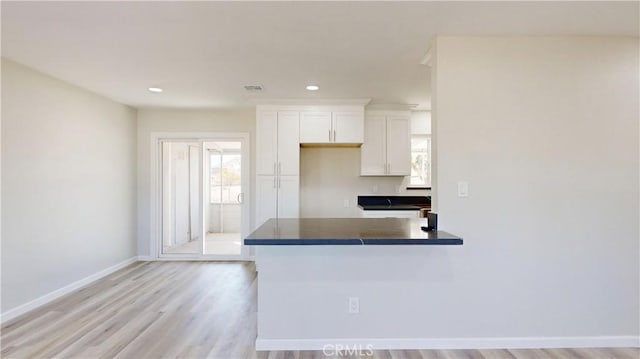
pixel 329 176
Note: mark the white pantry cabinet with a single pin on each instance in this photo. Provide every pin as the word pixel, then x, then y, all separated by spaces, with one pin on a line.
pixel 386 150
pixel 331 127
pixel 277 165
pixel 277 197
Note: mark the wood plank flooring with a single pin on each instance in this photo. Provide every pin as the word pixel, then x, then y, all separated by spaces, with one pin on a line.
pixel 189 310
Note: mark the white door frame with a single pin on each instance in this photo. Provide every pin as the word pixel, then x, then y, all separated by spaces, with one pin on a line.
pixel 155 222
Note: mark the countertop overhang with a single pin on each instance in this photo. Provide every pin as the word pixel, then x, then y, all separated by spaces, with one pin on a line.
pixel 348 231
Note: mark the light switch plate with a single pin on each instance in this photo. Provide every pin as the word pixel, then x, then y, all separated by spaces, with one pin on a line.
pixel 463 189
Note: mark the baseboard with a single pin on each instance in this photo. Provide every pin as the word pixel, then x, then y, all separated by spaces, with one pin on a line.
pixel 145 258
pixel 24 308
pixel 450 343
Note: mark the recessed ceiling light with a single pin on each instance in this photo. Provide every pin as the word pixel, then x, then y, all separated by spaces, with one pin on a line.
pixel 155 89
pixel 313 87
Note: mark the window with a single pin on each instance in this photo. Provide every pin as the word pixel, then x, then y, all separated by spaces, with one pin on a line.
pixel 225 177
pixel 420 161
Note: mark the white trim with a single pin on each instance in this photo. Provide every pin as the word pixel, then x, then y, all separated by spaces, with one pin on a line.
pixel 145 258
pixel 191 258
pixel 51 296
pixel 310 102
pixel 454 343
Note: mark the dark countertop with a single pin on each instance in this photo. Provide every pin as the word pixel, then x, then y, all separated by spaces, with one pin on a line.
pixel 398 207
pixel 394 203
pixel 348 231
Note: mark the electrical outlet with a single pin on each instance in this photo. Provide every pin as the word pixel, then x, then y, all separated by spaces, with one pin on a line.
pixel 345 203
pixel 354 305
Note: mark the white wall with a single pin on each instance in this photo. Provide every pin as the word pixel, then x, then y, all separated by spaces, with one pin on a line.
pixel 181 121
pixel 545 130
pixel 328 176
pixel 68 184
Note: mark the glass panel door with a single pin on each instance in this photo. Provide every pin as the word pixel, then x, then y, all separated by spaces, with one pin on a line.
pixel 181 219
pixel 223 212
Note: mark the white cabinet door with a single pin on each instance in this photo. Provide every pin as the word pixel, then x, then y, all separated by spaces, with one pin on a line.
pixel 373 150
pixel 288 143
pixel 266 199
pixel 398 146
pixel 315 127
pixel 288 197
pixel 266 143
pixel 348 127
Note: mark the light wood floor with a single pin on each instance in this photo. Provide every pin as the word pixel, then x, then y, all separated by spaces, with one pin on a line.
pixel 216 243
pixel 187 310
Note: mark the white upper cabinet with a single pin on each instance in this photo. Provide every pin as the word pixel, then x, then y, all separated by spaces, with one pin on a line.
pixel 373 159
pixel 315 127
pixel 386 150
pixel 331 127
pixel 348 127
pixel 398 146
pixel 277 143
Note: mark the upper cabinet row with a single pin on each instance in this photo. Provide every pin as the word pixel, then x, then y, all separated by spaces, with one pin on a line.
pixel 326 127
pixel 386 150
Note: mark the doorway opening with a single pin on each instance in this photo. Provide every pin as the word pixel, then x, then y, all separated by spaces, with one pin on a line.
pixel 223 191
pixel 203 185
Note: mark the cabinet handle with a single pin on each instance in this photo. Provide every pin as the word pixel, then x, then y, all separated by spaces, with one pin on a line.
pixel 274 169
pixel 274 181
pixel 388 168
pixel 279 169
pixel 329 135
pixel 334 135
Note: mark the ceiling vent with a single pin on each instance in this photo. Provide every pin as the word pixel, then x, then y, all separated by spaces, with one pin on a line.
pixel 254 88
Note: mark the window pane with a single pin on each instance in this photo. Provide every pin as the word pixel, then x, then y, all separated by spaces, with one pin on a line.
pixel 420 161
pixel 225 177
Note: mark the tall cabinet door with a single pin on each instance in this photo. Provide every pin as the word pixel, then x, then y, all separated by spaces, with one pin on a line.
pixel 288 143
pixel 398 146
pixel 266 199
pixel 374 149
pixel 267 143
pixel 288 197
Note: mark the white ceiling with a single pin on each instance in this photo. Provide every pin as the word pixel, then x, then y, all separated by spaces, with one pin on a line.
pixel 202 53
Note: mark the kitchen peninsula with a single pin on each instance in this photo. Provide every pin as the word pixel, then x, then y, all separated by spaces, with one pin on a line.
pixel 345 280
